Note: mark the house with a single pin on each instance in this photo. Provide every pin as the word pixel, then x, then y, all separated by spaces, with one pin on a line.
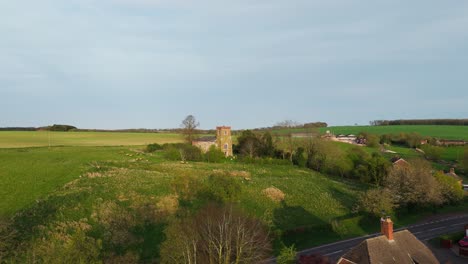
pixel 222 140
pixel 400 248
pixel 399 162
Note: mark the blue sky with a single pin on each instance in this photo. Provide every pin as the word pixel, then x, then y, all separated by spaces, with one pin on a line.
pixel 245 63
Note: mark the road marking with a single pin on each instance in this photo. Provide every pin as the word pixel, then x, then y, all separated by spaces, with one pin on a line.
pixel 333 253
pixel 437 228
pixel 415 233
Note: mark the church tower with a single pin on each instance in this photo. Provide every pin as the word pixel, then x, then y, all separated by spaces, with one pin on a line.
pixel 224 140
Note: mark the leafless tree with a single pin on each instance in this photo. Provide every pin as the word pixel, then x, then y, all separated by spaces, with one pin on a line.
pixel 189 128
pixel 216 234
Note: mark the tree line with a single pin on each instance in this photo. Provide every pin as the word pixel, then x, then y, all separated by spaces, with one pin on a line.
pixel 452 122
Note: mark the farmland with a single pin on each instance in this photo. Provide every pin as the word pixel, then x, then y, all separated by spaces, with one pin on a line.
pixel 445 132
pixel 437 131
pixel 73 184
pixel 16 139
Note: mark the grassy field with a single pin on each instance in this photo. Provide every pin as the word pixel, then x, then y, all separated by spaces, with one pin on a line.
pixel 28 174
pixel 445 132
pixel 74 181
pixel 21 139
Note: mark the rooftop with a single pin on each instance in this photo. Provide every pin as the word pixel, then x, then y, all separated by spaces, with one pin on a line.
pixel 404 248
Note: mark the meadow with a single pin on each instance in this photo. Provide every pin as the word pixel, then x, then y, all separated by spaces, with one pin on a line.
pixel 72 182
pixel 22 139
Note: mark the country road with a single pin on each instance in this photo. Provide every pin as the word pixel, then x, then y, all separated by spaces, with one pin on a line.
pixel 423 231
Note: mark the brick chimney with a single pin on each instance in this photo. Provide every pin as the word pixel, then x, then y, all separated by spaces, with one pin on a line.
pixel 386 227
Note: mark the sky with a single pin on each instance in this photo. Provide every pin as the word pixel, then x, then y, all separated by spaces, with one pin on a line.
pixel 114 64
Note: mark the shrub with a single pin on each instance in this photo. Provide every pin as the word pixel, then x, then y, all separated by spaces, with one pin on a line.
pixel 182 152
pixel 221 188
pixel 299 158
pixel 185 187
pixel 287 255
pixel 214 155
pixel 153 147
pixel 274 194
pixel 167 205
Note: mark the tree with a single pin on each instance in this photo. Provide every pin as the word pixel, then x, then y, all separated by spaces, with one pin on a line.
pixel 414 185
pixel 189 128
pixel 248 144
pixel 374 201
pixel 432 152
pixel 451 189
pixel 378 168
pixel 216 234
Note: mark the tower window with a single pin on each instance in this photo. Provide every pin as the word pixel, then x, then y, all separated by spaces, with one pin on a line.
pixel 225 146
pixel 225 132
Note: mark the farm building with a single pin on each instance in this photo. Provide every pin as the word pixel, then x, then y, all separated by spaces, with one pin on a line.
pixel 399 247
pixel 222 140
pixel 448 142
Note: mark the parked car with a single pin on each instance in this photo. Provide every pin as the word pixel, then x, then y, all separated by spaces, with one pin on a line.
pixel 463 242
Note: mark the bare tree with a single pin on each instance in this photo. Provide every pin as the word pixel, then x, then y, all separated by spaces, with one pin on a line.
pixel 216 235
pixel 189 128
pixel 288 123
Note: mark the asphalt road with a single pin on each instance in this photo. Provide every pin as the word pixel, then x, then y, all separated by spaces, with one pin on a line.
pixel 423 231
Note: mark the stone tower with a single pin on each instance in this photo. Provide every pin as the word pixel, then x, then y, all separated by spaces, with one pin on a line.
pixel 224 140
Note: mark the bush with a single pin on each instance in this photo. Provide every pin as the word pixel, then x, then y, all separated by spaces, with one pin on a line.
pixel 299 158
pixel 287 255
pixel 153 147
pixel 214 155
pixel 182 152
pixel 221 189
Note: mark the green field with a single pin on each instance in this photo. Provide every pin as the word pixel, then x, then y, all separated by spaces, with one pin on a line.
pixel 443 132
pixel 21 139
pixel 59 177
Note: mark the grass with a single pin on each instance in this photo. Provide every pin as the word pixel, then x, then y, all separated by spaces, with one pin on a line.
pixel 75 179
pixel 64 185
pixel 444 132
pixel 28 174
pixel 22 139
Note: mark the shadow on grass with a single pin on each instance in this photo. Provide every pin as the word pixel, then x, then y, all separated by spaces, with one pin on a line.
pixel 300 228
